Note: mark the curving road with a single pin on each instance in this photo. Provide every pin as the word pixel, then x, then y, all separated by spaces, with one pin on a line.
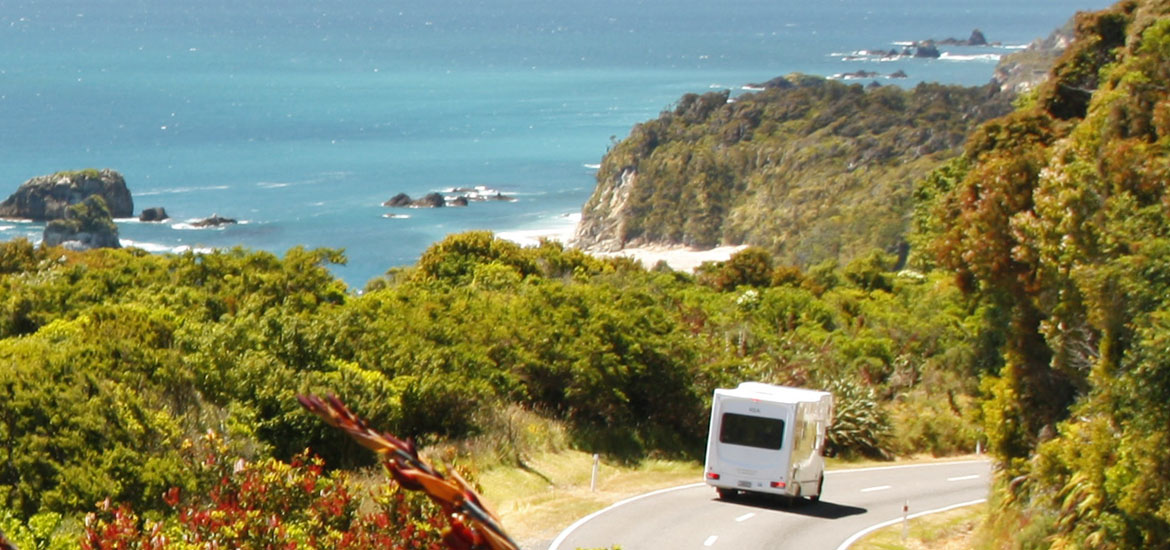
pixel 854 502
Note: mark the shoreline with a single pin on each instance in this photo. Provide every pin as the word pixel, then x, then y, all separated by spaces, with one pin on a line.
pixel 679 258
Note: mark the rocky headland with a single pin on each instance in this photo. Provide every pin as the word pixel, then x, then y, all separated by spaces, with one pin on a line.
pixel 812 169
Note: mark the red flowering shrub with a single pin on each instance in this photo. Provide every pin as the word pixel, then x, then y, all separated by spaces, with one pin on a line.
pixel 272 505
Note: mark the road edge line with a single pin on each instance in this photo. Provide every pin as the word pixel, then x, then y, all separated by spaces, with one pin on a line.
pixel 902 466
pixel 569 530
pixel 856 536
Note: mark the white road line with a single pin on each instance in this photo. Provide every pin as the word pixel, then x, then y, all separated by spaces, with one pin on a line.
pixel 556 543
pixel 849 541
pixel 901 466
pixel 710 540
pixel 745 517
pixel 878 488
pixel 962 478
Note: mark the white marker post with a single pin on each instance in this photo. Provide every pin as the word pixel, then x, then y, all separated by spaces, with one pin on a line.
pixel 593 478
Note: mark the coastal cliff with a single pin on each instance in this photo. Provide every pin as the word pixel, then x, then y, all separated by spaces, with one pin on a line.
pixel 808 168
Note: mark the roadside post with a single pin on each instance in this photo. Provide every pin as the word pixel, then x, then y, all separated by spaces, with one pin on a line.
pixel 905 517
pixel 593 478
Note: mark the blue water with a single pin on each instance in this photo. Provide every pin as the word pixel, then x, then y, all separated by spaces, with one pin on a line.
pixel 301 117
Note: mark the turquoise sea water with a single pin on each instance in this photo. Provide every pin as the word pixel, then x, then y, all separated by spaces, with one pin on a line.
pixel 301 117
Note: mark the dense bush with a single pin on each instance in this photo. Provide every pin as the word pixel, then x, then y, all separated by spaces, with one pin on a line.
pixel 113 358
pixel 1056 221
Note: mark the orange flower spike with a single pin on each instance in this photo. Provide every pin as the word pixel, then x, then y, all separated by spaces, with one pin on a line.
pixel 439 488
pixel 470 495
pixel 404 479
pixel 498 541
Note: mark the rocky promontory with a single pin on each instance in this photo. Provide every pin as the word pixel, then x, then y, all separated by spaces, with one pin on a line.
pixel 46 198
pixel 1028 68
pixel 811 168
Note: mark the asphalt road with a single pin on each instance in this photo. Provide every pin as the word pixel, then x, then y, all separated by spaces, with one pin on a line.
pixel 854 501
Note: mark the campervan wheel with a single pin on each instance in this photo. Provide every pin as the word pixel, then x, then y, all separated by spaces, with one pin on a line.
pixel 820 487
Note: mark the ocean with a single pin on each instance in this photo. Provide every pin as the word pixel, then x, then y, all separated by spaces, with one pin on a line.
pixel 300 118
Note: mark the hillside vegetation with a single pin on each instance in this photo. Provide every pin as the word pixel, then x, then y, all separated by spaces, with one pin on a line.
pixel 148 401
pixel 809 169
pixel 130 376
pixel 1057 218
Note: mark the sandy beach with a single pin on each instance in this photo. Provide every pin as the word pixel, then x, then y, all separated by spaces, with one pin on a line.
pixel 679 258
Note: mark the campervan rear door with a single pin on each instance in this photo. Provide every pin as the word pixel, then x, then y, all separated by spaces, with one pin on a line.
pixel 754 442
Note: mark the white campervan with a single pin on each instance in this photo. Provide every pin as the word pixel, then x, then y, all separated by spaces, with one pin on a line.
pixel 768 439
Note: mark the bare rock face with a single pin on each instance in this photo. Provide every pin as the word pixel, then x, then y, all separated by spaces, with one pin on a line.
pixel 46 198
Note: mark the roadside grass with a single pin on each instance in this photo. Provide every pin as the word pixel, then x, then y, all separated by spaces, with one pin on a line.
pixel 538 485
pixel 951 530
pixel 552 490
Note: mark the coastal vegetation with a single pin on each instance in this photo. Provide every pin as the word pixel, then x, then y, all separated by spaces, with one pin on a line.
pixel 118 365
pixel 1056 218
pixel 810 169
pixel 155 395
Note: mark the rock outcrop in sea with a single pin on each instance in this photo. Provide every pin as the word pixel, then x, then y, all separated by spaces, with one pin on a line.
pixel 214 221
pixel 46 198
pixel 84 226
pixel 458 196
pixel 153 214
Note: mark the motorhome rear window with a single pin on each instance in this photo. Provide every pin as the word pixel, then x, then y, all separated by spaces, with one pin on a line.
pixel 752 431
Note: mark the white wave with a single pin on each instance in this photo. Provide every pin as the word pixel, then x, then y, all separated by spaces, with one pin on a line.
pixel 397 216
pixel 157 248
pixel 903 43
pixel 1014 46
pixel 592 166
pixel 559 228
pixel 987 57
pixel 189 225
pixel 7 227
pixel 717 86
pixel 747 89
pixel 272 184
pixel 178 190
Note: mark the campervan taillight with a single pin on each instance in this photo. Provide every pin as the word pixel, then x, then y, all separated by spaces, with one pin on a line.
pixel 712 475
pixel 778 485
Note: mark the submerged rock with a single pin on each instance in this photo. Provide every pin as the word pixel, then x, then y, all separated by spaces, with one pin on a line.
pixel 214 221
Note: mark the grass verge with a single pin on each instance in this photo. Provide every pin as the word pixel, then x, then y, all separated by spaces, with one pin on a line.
pixel 951 530
pixel 553 490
